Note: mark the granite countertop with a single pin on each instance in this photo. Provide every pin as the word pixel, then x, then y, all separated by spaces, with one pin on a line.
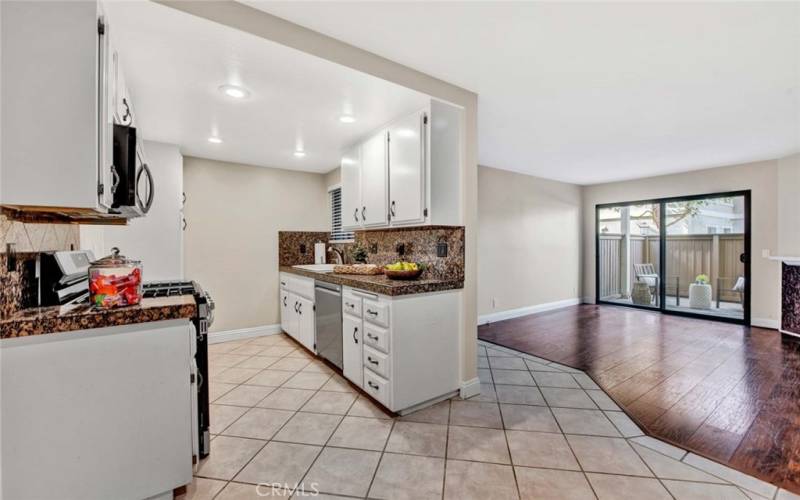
pixel 55 319
pixel 379 283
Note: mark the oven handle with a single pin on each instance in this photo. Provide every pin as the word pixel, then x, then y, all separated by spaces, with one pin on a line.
pixel 145 206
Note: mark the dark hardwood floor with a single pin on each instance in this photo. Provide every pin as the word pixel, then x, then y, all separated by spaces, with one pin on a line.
pixel 724 391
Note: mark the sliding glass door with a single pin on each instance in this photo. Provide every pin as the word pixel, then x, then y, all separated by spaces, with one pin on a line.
pixel 705 241
pixel 628 250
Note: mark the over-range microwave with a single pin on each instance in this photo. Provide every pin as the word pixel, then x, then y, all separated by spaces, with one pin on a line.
pixel 133 188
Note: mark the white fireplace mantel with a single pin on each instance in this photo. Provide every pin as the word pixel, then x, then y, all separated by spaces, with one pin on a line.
pixel 789 260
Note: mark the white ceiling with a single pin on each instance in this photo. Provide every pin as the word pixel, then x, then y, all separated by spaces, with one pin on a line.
pixel 175 63
pixel 594 92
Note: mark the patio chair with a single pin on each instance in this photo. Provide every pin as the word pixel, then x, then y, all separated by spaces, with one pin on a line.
pixel 738 287
pixel 646 273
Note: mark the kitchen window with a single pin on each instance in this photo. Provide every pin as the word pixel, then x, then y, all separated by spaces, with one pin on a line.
pixel 337 234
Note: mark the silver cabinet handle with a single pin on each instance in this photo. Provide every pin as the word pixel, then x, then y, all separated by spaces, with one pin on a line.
pixel 296 305
pixel 372 384
pixel 369 358
pixel 355 332
pixel 373 337
pixel 364 214
pixel 284 301
pixel 370 311
pixel 300 308
pixel 392 209
pixel 355 215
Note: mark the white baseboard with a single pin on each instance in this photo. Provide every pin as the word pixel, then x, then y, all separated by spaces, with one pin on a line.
pixel 765 323
pixel 524 311
pixel 470 388
pixel 243 333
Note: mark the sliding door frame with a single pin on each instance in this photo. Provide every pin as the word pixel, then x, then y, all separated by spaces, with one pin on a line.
pixel 662 261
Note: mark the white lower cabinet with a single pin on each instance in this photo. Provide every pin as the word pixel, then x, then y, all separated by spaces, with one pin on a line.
pixel 306 333
pixel 352 364
pixel 402 351
pixel 297 309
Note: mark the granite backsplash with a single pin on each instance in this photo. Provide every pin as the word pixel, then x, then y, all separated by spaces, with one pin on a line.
pixel 384 246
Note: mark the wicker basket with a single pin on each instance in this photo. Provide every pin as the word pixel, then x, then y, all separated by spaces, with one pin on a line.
pixel 357 269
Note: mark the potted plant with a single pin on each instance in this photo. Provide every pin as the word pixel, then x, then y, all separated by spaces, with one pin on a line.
pixel 359 254
pixel 700 293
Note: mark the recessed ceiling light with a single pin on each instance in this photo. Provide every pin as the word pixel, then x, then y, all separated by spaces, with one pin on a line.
pixel 347 118
pixel 234 91
pixel 215 140
pixel 299 153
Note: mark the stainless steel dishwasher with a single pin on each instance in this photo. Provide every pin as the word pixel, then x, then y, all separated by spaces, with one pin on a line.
pixel 328 305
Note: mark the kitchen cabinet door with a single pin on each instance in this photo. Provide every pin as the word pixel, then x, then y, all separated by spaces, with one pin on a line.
pixel 306 325
pixel 407 169
pixel 351 188
pixel 288 316
pixel 352 361
pixel 374 181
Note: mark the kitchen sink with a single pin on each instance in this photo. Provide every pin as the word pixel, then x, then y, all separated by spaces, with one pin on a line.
pixel 317 268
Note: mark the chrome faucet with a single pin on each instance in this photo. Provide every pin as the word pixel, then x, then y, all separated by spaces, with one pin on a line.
pixel 339 254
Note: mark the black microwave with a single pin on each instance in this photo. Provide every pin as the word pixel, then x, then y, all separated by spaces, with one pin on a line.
pixel 133 187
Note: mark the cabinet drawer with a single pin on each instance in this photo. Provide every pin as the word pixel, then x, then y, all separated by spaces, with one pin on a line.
pixel 376 312
pixel 284 281
pixel 302 286
pixel 351 304
pixel 376 337
pixel 377 362
pixel 378 388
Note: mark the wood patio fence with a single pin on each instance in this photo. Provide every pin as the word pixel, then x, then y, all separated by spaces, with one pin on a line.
pixel 716 255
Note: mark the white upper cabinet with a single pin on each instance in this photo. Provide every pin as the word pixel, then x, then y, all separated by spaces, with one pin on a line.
pixel 374 181
pixel 407 169
pixel 409 173
pixel 351 188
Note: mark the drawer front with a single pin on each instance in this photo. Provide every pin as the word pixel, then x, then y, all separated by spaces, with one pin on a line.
pixel 378 388
pixel 376 313
pixel 351 304
pixel 302 286
pixel 377 362
pixel 376 337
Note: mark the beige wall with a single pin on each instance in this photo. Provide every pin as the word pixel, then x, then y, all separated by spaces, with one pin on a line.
pixel 233 214
pixel 760 177
pixel 333 177
pixel 529 244
pixel 789 206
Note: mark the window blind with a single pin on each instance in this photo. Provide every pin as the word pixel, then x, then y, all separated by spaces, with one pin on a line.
pixel 336 217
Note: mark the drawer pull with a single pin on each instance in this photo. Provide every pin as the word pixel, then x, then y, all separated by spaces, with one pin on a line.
pixel 283 283
pixel 372 337
pixel 370 311
pixel 373 384
pixel 284 301
pixel 296 305
pixel 369 358
pixel 351 306
pixel 355 332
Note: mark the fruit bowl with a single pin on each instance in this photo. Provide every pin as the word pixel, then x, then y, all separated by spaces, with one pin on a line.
pixel 402 275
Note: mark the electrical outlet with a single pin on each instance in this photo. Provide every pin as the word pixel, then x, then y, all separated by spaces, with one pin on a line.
pixel 302 248
pixel 373 248
pixel 401 249
pixel 441 249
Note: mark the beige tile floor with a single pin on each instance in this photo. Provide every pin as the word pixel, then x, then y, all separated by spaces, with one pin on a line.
pixel 538 430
